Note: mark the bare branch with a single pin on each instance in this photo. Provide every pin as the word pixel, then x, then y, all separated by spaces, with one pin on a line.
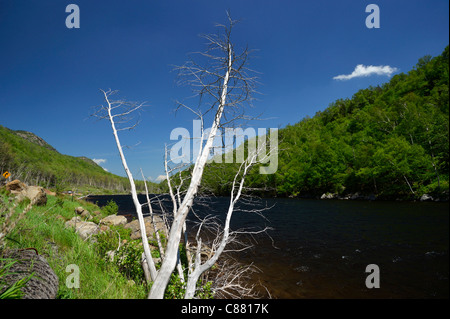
pixel 106 112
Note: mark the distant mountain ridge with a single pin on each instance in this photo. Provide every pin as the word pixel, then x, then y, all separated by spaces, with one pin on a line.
pixel 31 159
pixel 34 139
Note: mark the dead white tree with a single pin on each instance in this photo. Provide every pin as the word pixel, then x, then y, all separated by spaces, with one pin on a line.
pixel 119 112
pixel 223 84
pixel 224 237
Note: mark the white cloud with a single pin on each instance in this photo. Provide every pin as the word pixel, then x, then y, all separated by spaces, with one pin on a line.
pixel 160 178
pixel 98 161
pixel 363 71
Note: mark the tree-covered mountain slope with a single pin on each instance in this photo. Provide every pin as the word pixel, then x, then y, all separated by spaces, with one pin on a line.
pixel 391 141
pixel 29 158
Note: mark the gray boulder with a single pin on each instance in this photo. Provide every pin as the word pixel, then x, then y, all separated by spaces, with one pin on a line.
pixel 36 194
pixel 114 220
pixel 355 196
pixel 149 229
pixel 79 210
pixel 84 213
pixel 328 196
pixel 136 230
pixel 426 198
pixel 82 228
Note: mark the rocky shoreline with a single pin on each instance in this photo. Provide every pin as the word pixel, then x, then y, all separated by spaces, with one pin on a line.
pixel 86 228
pixel 444 197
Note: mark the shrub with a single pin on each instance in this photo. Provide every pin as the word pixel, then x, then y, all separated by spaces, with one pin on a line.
pixel 175 289
pixel 109 240
pixel 111 208
pixel 128 260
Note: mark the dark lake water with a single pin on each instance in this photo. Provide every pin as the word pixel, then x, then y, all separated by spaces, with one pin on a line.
pixel 320 248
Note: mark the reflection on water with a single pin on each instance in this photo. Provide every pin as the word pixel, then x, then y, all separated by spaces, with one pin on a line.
pixel 320 248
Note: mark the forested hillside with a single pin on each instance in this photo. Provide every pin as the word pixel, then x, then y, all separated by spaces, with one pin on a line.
pixel 29 158
pixel 391 141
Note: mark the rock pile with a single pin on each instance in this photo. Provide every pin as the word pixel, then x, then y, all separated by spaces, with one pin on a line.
pixel 86 228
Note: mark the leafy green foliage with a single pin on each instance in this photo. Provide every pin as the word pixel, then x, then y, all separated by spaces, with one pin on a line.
pixel 111 239
pixel 390 140
pixel 110 208
pixel 176 288
pixel 128 261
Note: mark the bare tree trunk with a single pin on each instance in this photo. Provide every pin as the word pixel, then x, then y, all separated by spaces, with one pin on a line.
pixel 160 284
pixel 146 268
pixel 137 205
pixel 155 227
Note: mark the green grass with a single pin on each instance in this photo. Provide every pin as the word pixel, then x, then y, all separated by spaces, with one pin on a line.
pixel 44 230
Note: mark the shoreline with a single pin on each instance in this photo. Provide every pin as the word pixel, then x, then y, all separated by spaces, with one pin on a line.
pixel 328 196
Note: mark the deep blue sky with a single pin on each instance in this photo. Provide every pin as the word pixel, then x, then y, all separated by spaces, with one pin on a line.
pixel 50 75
